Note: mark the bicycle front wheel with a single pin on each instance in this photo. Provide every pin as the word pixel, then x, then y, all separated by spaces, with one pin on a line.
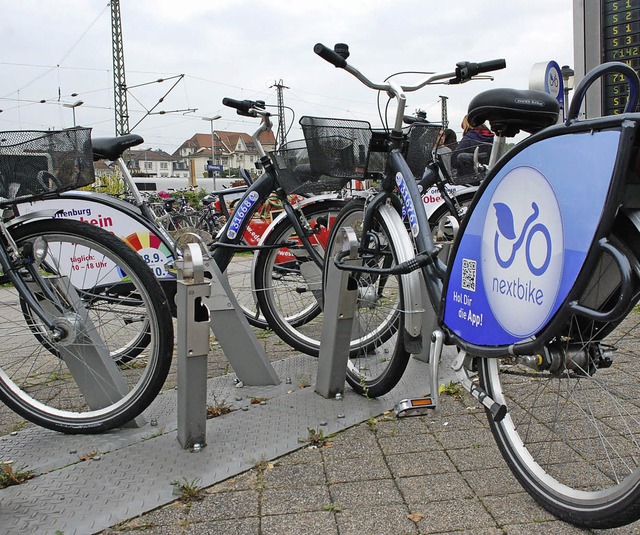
pixel 109 304
pixel 571 434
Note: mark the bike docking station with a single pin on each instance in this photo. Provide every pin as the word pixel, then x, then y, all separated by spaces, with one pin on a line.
pixel 341 296
pixel 132 470
pixel 209 303
pixel 340 301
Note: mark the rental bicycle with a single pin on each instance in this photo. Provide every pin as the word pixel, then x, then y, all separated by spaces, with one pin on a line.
pixel 336 148
pixel 540 291
pixel 87 331
pixel 290 253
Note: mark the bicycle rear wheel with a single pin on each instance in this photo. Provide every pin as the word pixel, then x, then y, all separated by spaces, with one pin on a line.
pixel 109 303
pixel 572 436
pixel 288 283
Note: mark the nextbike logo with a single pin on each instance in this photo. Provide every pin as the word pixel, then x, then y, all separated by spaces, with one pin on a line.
pixel 522 251
pixel 408 209
pixel 240 214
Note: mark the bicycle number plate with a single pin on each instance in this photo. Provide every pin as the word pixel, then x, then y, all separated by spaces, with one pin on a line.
pixel 527 238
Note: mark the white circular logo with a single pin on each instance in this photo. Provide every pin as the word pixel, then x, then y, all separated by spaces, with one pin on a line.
pixel 522 251
pixel 553 81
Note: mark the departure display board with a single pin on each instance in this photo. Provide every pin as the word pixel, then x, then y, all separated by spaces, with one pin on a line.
pixel 620 42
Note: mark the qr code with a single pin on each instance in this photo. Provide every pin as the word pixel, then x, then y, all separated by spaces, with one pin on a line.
pixel 469 274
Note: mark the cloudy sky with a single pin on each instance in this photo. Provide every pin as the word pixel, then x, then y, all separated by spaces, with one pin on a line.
pixel 240 48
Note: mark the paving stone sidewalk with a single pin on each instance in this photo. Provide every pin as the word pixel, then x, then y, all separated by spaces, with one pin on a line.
pixel 440 473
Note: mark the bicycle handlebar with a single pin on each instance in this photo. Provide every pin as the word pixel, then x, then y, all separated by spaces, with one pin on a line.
pixel 329 55
pixel 464 71
pixel 252 108
pixel 248 108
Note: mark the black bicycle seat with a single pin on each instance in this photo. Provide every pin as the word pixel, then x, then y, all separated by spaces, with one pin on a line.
pixel 511 110
pixel 111 148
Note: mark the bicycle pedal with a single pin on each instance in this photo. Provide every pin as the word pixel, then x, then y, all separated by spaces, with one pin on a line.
pixel 414 407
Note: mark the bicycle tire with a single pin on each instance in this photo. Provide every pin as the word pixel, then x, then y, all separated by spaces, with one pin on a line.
pixel 570 437
pixel 125 306
pixel 285 297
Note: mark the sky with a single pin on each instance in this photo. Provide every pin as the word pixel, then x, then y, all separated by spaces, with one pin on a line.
pixel 60 52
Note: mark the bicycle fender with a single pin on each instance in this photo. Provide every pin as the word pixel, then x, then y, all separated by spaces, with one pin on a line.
pixel 413 303
pixel 41 214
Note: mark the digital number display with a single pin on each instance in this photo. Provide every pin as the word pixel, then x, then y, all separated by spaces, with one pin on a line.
pixel 620 42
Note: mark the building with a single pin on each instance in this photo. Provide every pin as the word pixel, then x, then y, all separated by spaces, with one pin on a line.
pixel 152 163
pixel 233 150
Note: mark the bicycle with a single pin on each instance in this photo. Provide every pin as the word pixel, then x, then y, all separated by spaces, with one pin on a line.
pixel 557 378
pixel 291 249
pixel 168 216
pixel 336 148
pixel 88 337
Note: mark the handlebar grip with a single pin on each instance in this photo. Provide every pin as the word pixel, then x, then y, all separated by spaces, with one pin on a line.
pixel 243 106
pixel 491 65
pixel 329 55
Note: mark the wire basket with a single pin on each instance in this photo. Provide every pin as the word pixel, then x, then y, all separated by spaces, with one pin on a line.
pixel 338 149
pixel 293 171
pixel 422 138
pixel 461 164
pixel 35 164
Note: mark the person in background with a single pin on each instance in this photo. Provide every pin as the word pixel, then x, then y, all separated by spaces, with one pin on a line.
pixel 448 139
pixel 479 136
pixel 446 144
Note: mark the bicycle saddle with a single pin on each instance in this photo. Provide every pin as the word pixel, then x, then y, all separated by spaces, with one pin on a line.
pixel 111 148
pixel 511 110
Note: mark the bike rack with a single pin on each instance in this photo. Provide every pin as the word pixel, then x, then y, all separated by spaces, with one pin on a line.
pixel 205 301
pixel 339 311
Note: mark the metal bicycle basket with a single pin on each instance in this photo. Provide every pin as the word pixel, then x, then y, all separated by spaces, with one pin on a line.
pixel 338 150
pixel 291 161
pixel 461 164
pixel 422 138
pixel 37 164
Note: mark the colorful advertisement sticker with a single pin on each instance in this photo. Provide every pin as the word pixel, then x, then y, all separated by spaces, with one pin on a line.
pixel 528 237
pixel 148 244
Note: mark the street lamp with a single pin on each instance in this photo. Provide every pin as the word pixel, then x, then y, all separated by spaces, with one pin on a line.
pixel 213 156
pixel 567 77
pixel 73 109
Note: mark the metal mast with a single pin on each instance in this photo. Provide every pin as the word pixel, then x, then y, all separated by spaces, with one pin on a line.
pixel 282 131
pixel 445 116
pixel 119 83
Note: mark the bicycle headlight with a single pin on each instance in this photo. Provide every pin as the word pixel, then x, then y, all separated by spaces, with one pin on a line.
pixel 39 249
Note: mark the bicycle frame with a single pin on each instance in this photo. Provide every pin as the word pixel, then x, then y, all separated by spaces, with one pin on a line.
pixel 607 144
pixel 230 238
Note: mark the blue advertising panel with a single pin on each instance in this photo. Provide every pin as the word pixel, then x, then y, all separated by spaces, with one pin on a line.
pixel 527 238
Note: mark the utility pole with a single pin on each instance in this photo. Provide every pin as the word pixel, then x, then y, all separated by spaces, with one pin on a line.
pixel 282 131
pixel 445 116
pixel 119 83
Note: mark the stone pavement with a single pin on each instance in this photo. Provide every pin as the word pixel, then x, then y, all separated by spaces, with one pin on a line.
pixel 440 473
